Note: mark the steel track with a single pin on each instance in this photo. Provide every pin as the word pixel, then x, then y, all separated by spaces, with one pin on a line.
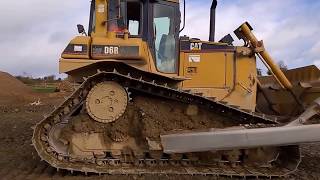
pixel 152 166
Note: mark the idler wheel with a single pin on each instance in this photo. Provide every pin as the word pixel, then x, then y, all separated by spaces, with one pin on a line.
pixel 106 102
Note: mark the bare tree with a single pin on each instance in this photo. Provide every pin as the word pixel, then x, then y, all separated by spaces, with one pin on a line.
pixel 283 67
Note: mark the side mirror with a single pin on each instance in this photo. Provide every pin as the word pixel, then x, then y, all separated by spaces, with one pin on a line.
pixel 81 29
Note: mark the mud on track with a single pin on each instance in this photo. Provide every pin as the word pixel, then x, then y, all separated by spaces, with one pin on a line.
pixel 18 159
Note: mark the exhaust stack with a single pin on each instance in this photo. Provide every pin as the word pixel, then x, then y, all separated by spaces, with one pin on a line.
pixel 213 20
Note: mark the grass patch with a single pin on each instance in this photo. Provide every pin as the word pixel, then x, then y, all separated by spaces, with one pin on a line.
pixel 42 89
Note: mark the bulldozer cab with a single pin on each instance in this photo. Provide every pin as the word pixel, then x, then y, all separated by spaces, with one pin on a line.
pixel 144 34
pixel 155 22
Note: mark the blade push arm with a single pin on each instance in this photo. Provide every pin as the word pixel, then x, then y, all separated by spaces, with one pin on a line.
pixel 245 32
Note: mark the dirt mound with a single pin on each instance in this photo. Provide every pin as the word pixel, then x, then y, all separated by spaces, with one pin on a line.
pixel 11 89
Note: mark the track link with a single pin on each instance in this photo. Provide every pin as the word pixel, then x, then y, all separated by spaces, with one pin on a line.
pixel 149 165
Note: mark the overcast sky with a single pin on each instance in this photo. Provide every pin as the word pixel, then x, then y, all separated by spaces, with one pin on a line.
pixel 35 32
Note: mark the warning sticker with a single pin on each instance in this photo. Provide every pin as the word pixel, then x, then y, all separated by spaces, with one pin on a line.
pixel 101 8
pixel 194 58
pixel 77 49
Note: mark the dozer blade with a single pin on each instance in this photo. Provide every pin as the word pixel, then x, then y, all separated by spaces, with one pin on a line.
pixel 293 133
pixel 239 138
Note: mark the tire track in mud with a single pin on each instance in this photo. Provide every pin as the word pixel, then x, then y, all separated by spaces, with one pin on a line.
pixel 13 174
pixel 38 171
pixel 26 172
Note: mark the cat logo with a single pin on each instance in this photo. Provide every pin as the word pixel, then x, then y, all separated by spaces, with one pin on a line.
pixel 111 50
pixel 195 46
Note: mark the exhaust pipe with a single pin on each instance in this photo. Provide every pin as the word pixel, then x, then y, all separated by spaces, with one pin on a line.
pixel 213 20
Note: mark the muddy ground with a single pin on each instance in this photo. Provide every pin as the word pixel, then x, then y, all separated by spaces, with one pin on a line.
pixel 18 159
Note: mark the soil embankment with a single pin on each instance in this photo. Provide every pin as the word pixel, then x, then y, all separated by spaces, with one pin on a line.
pixel 13 90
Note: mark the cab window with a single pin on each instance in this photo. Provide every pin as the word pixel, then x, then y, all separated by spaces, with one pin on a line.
pixel 165 40
pixel 125 15
pixel 92 22
pixel 134 17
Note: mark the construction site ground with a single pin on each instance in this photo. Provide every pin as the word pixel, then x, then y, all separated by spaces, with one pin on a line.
pixel 20 109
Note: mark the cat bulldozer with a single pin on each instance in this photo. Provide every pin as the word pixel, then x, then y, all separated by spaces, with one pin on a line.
pixel 152 102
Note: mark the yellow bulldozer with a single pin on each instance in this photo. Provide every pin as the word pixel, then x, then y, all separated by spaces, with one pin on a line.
pixel 152 102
